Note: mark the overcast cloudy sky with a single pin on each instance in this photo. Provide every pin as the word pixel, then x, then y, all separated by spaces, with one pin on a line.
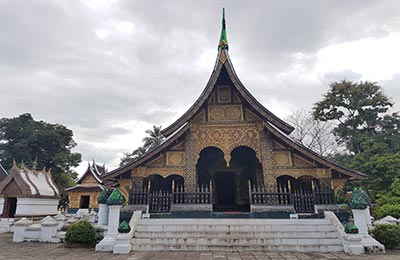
pixel 109 70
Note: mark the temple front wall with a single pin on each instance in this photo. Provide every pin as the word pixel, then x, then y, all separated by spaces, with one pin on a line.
pixel 74 198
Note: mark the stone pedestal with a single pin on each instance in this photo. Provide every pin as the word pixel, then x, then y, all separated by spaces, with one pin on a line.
pixel 103 215
pixel 49 231
pixel 19 229
pixel 361 217
pixel 108 242
pixel 123 244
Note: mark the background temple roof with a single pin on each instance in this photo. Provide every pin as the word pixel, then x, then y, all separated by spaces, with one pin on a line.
pixel 3 173
pixel 31 183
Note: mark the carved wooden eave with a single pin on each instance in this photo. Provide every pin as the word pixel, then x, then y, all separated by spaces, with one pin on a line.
pixel 311 154
pixel 223 60
pixel 149 155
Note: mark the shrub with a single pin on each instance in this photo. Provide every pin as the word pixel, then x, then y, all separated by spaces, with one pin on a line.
pixel 350 228
pixel 99 234
pixel 81 233
pixel 124 227
pixel 386 210
pixel 388 235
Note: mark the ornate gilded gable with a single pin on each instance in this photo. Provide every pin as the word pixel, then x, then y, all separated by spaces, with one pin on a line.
pixel 299 161
pixel 157 162
pixel 225 113
pixel 277 146
pixel 88 179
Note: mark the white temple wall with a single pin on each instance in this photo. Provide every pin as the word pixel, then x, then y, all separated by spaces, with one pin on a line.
pixel 36 207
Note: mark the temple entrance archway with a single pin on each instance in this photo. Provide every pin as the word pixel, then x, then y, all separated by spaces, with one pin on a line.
pixel 10 207
pixel 302 191
pixel 230 184
pixel 160 190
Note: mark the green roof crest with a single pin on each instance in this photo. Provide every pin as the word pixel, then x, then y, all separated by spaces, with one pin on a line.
pixel 223 40
pixel 116 198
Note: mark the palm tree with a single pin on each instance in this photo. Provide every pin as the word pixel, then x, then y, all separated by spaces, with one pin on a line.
pixel 154 139
pixel 141 150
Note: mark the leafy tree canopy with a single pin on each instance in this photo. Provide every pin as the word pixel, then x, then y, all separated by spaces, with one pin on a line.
pixel 24 139
pixel 153 139
pixel 361 113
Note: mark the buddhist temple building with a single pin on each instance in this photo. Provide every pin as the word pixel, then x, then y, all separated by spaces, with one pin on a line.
pixel 27 193
pixel 88 188
pixel 230 153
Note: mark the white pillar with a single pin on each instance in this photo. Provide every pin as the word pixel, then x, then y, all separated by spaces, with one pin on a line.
pixel 49 231
pixel 360 220
pixel 1 205
pixel 108 242
pixel 103 215
pixel 19 229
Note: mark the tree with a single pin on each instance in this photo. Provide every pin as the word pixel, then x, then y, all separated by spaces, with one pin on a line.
pixel 370 133
pixel 314 134
pixel 24 139
pixel 155 137
pixel 360 111
pixel 141 150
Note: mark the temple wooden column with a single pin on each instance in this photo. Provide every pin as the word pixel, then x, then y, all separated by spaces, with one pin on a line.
pixel 190 164
pixel 267 162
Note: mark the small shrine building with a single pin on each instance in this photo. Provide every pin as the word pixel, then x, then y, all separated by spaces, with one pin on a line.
pixel 230 153
pixel 88 188
pixel 27 193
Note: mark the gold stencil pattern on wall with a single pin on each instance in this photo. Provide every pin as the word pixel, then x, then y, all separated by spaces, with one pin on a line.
pixel 225 113
pixel 175 158
pixel 282 158
pixel 227 139
pixel 224 94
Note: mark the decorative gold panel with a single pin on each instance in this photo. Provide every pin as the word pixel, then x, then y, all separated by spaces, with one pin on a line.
pixel 298 172
pixel 211 100
pixel 227 138
pixel 277 146
pixel 236 98
pixel 162 171
pixel 224 94
pixel 159 161
pixel 179 147
pixel 222 57
pixel 298 161
pixel 250 116
pixel 282 158
pixel 200 117
pixel 225 113
pixel 175 158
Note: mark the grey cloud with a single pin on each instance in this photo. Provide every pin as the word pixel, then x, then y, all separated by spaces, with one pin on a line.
pixel 54 66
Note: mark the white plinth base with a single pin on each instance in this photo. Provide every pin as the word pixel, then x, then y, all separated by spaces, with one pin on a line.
pixel 106 245
pixel 123 245
pixel 361 217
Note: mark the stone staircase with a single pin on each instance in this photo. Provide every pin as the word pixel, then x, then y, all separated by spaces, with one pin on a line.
pixel 300 235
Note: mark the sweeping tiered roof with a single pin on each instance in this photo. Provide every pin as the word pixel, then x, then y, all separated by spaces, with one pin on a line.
pixel 92 178
pixel 224 71
pixel 30 183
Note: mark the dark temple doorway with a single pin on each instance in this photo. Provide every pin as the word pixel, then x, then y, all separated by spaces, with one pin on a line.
pixel 230 184
pixel 225 189
pixel 10 207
